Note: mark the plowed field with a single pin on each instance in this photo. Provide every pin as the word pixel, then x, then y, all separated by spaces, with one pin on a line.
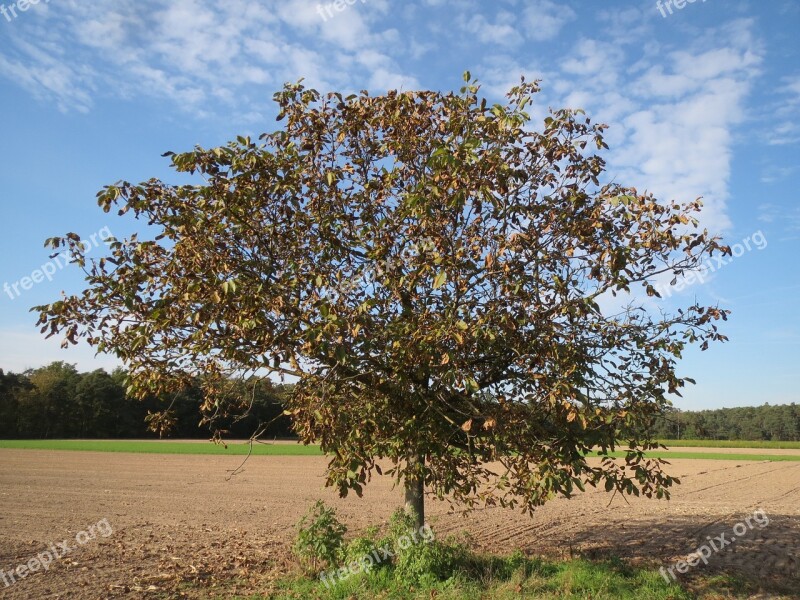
pixel 180 527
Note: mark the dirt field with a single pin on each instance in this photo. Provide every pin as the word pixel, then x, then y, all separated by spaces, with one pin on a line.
pixel 180 528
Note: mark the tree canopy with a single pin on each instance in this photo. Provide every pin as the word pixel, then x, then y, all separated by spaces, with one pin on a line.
pixel 430 268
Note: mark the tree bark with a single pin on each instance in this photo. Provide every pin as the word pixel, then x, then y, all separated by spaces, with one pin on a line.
pixel 415 491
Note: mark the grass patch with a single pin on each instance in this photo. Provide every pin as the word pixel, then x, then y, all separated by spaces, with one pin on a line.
pixel 411 564
pixel 732 444
pixel 499 578
pixel 163 447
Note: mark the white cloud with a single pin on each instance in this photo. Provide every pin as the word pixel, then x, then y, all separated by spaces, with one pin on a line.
pixel 775 173
pixel 785 218
pixel 787 130
pixel 383 80
pixel 673 123
pixel 69 87
pixel 673 108
pixel 501 32
pixel 594 59
pixel 673 112
pixel 544 19
pixel 206 57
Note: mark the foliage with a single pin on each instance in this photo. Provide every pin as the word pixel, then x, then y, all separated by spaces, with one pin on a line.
pixel 363 545
pixel 423 564
pixel 12 387
pixel 57 402
pixel 400 524
pixel 423 560
pixel 431 269
pixel 320 537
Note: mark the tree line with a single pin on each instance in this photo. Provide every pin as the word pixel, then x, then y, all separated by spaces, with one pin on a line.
pixel 780 422
pixel 57 402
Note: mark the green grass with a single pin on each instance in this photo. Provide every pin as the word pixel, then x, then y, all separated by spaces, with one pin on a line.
pixel 500 579
pixel 163 447
pixel 241 449
pixel 451 569
pixel 732 444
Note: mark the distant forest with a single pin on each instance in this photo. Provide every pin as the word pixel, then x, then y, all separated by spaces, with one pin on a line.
pixel 58 402
pixel 779 422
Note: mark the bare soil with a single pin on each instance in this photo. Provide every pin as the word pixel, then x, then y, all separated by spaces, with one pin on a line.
pixel 182 529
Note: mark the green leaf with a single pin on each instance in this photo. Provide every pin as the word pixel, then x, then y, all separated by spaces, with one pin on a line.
pixel 440 280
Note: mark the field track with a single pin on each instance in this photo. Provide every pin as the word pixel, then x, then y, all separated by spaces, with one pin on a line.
pixel 179 521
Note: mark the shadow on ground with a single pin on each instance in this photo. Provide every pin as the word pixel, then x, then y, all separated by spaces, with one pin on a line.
pixel 765 558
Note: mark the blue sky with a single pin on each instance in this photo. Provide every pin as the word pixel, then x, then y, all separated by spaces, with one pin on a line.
pixel 702 99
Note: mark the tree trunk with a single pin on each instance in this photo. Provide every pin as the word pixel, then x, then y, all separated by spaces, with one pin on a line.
pixel 415 491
